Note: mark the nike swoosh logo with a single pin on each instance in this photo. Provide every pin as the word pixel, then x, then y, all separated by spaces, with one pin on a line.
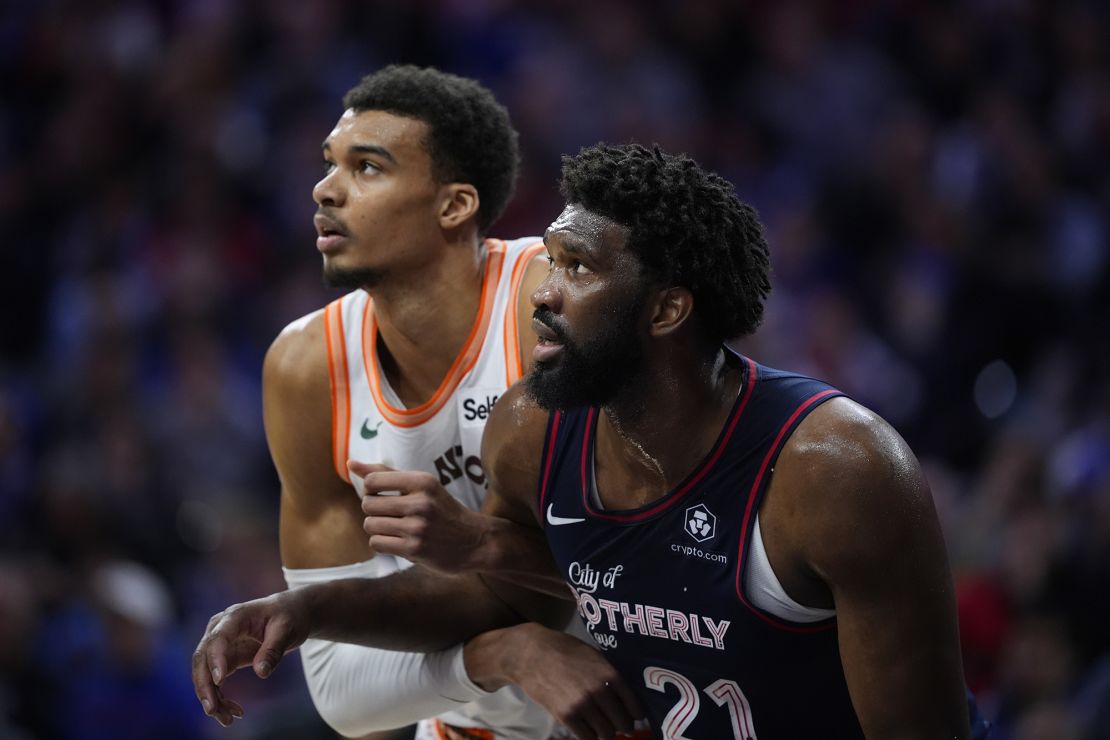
pixel 557 520
pixel 367 432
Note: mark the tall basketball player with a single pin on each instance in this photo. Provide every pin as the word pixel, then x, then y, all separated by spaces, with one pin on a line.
pixel 402 370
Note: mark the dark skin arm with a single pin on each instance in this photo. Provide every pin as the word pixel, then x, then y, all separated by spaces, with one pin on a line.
pixel 848 522
pixel 571 679
pixel 415 610
pixel 429 526
pixel 422 610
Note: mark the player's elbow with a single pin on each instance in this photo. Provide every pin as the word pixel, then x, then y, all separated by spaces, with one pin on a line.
pixel 336 683
pixel 345 720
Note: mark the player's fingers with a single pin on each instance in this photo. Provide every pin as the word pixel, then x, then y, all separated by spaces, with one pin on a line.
pixel 213 648
pixel 234 708
pixel 274 641
pixel 578 727
pixel 612 706
pixel 393 506
pixel 594 723
pixel 389 526
pixel 211 698
pixel 240 653
pixel 388 480
pixel 402 481
pixel 391 545
pixel 227 712
pixel 203 686
pixel 359 468
pixel 627 698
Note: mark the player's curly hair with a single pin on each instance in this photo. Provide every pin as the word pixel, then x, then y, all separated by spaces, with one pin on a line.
pixel 471 138
pixel 687 227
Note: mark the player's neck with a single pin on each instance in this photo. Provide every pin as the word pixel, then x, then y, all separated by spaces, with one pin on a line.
pixel 424 318
pixel 661 428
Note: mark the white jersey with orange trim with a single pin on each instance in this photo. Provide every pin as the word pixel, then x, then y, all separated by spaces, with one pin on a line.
pixel 441 436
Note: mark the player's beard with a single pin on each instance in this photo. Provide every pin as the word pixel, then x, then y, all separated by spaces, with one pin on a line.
pixel 350 278
pixel 589 373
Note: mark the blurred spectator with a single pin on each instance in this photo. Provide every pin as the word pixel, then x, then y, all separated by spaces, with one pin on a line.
pixel 115 656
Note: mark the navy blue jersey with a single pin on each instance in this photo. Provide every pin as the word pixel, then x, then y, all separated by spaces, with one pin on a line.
pixel 660 588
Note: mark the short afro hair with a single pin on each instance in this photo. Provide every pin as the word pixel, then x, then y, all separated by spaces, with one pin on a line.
pixel 686 225
pixel 470 139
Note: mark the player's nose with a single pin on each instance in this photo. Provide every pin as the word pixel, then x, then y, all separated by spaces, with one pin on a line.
pixel 547 295
pixel 329 191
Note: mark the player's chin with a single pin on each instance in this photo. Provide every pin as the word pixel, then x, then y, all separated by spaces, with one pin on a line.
pixel 339 273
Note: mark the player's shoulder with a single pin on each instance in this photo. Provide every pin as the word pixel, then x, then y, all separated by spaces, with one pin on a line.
pixel 851 488
pixel 842 436
pixel 514 434
pixel 851 472
pixel 517 414
pixel 298 353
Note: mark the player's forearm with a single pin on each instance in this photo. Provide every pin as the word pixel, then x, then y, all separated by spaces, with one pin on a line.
pixel 517 554
pixel 414 610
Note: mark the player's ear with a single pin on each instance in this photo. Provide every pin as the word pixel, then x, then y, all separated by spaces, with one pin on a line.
pixel 672 308
pixel 458 202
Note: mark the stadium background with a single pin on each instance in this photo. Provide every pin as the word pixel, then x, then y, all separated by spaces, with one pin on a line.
pixel 933 177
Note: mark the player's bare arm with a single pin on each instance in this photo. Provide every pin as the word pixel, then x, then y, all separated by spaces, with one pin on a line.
pixel 849 523
pixel 321 525
pixel 571 679
pixel 416 610
pixel 503 541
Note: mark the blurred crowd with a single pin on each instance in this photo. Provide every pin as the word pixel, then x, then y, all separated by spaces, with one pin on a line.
pixel 933 177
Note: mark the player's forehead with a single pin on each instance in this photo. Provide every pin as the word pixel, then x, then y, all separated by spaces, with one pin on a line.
pixel 585 229
pixel 401 135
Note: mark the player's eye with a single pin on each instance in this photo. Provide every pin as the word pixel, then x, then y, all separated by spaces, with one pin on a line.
pixel 577 268
pixel 328 166
pixel 369 167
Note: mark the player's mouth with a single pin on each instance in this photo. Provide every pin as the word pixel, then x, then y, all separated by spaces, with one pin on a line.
pixel 330 233
pixel 548 343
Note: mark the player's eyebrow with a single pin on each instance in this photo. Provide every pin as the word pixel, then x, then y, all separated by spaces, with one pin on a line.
pixel 571 243
pixel 365 149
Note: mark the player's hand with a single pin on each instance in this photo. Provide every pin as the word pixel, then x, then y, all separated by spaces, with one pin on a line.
pixel 425 524
pixel 570 678
pixel 257 633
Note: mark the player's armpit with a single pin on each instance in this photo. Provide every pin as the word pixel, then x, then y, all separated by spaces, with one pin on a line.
pixel 321 524
pixel 849 509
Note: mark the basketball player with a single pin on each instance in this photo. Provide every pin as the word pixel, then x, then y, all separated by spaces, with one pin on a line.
pixel 757 555
pixel 404 369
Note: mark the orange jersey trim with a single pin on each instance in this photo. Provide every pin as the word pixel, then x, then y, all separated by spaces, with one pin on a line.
pixel 447 732
pixel 464 361
pixel 514 363
pixel 340 388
